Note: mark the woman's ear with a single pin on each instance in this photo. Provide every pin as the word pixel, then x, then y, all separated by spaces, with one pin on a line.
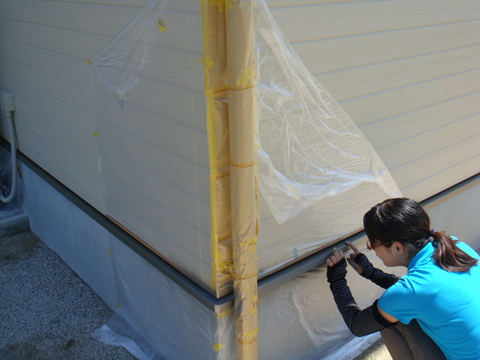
pixel 398 248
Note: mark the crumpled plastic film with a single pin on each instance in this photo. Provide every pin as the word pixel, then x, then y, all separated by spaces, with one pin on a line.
pixel 120 63
pixel 308 147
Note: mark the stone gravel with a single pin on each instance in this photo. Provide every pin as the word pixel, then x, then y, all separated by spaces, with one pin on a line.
pixel 46 310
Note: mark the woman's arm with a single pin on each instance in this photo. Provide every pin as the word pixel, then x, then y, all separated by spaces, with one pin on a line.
pixel 360 322
pixel 364 267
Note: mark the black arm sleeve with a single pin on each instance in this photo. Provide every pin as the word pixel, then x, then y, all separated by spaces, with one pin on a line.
pixel 360 322
pixel 373 274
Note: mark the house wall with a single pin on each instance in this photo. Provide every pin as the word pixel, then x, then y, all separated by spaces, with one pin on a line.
pixel 154 165
pixel 407 73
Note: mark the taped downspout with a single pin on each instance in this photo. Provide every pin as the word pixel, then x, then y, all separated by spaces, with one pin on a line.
pixel 229 90
pixel 216 97
pixel 242 125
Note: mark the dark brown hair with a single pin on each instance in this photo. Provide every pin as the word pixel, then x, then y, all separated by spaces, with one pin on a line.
pixel 404 220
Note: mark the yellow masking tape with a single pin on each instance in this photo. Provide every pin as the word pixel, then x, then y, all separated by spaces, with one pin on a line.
pixel 223 314
pixel 109 252
pixel 206 63
pixel 225 265
pixel 95 134
pixel 245 78
pixel 294 191
pixel 117 305
pixel 89 61
pixel 252 335
pixel 217 346
pixel 229 4
pixel 245 277
pixel 243 165
pixel 252 241
pixel 161 26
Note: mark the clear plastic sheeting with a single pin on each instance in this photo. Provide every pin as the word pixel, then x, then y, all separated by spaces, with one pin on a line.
pixel 121 62
pixel 150 129
pixel 309 148
pixel 300 320
pixel 163 114
pixel 108 336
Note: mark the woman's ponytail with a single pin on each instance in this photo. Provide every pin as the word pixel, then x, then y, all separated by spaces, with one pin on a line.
pixel 448 255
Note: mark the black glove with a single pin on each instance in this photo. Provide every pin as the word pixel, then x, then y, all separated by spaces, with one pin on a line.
pixel 337 272
pixel 373 274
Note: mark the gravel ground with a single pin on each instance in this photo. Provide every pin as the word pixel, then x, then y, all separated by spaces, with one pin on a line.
pixel 48 313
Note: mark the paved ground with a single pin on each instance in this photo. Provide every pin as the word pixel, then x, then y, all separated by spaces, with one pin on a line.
pixel 48 313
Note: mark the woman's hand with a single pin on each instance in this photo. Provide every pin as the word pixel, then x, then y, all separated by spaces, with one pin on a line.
pixel 335 258
pixel 337 267
pixel 351 259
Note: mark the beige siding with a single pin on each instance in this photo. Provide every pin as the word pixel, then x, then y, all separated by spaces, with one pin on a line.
pixel 46 49
pixel 407 72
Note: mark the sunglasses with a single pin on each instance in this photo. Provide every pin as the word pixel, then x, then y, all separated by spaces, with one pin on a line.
pixel 371 247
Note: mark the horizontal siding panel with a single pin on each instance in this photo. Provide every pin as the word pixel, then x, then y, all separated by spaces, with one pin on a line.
pixel 185 5
pixel 398 128
pixel 365 80
pixel 343 19
pixel 67 92
pixel 443 180
pixel 365 49
pixel 62 41
pixel 184 28
pixel 169 134
pixel 156 201
pixel 174 103
pixel 166 134
pixel 47 146
pixel 429 143
pixel 379 106
pixel 428 167
pixel 156 97
pixel 93 18
pixel 67 68
pixel 289 3
pixel 33 121
pixel 65 167
pixel 73 118
pixel 67 59
pixel 153 161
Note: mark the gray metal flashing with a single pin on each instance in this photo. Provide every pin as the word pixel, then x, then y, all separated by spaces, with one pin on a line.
pixel 203 296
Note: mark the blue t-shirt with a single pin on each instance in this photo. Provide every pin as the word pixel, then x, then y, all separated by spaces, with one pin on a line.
pixel 445 304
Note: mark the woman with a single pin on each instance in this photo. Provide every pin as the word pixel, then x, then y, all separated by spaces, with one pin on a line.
pixel 433 312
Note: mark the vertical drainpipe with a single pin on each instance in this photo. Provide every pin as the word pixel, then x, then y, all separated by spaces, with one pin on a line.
pixel 242 125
